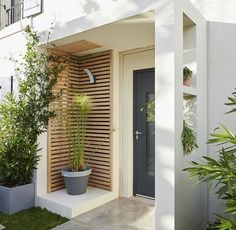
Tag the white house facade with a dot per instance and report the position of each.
(134, 38)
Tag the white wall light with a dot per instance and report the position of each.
(91, 77)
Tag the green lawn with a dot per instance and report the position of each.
(31, 219)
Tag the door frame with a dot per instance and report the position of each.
(134, 124)
(146, 61)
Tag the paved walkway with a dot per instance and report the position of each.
(121, 214)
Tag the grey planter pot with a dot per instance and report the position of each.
(16, 199)
(76, 182)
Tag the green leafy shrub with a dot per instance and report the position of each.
(221, 172)
(188, 138)
(187, 73)
(76, 120)
(24, 118)
(18, 156)
(36, 88)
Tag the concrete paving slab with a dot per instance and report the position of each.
(122, 213)
(72, 225)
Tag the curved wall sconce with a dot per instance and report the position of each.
(91, 77)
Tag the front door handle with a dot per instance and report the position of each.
(137, 133)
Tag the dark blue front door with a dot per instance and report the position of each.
(144, 132)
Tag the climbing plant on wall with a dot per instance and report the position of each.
(24, 118)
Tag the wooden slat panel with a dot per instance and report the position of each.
(74, 81)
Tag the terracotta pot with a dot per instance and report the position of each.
(188, 82)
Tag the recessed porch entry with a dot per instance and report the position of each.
(111, 58)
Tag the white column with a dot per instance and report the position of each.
(165, 116)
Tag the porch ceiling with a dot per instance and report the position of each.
(134, 32)
(78, 46)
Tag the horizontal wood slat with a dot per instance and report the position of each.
(74, 81)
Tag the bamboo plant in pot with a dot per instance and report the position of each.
(187, 76)
(76, 174)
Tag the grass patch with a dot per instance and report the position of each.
(32, 219)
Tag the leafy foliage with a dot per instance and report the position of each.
(24, 118)
(221, 171)
(36, 89)
(150, 107)
(76, 120)
(187, 73)
(222, 224)
(150, 111)
(188, 137)
(232, 102)
(18, 156)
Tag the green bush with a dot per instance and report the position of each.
(221, 172)
(188, 138)
(18, 155)
(24, 118)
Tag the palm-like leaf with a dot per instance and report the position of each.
(232, 102)
(221, 171)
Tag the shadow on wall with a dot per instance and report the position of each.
(165, 178)
(217, 10)
(105, 14)
(90, 6)
(221, 82)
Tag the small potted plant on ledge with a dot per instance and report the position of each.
(76, 174)
(22, 120)
(187, 76)
(189, 141)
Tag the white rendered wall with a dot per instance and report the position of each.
(217, 10)
(183, 206)
(10, 47)
(165, 39)
(221, 82)
(221, 70)
(7, 67)
(41, 172)
(190, 202)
